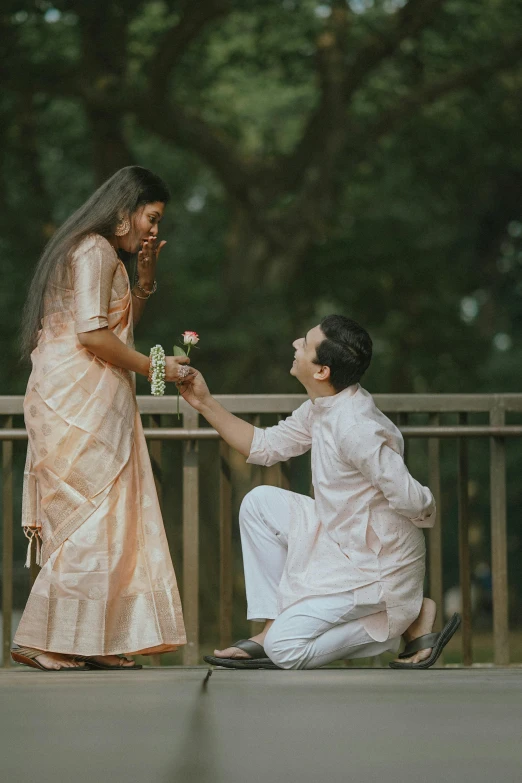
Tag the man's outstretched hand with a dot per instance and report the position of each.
(195, 391)
(235, 431)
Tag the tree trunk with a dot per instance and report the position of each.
(109, 147)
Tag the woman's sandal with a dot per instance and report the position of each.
(437, 642)
(27, 656)
(258, 657)
(92, 664)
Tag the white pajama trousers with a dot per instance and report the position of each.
(314, 631)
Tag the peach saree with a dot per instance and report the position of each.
(107, 583)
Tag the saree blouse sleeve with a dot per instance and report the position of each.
(93, 264)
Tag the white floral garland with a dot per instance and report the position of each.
(157, 375)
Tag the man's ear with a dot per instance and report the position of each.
(323, 373)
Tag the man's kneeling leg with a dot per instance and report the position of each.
(317, 631)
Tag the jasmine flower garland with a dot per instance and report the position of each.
(157, 371)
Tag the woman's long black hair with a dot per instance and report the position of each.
(121, 195)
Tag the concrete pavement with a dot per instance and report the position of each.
(164, 726)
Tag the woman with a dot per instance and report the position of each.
(107, 586)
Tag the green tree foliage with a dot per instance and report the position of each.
(356, 156)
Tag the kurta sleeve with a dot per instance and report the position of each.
(290, 438)
(366, 447)
(94, 263)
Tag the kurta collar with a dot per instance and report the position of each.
(327, 402)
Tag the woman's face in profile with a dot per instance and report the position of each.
(144, 223)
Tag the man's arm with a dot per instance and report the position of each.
(366, 448)
(289, 438)
(236, 432)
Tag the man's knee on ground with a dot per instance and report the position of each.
(285, 654)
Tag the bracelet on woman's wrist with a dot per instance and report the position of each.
(157, 371)
(144, 298)
(138, 285)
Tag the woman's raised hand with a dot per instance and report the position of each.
(175, 371)
(147, 260)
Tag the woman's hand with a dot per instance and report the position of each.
(147, 260)
(173, 365)
(194, 390)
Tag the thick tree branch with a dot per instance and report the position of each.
(176, 124)
(326, 120)
(509, 57)
(55, 79)
(104, 66)
(337, 85)
(409, 22)
(21, 75)
(175, 41)
(238, 177)
(308, 209)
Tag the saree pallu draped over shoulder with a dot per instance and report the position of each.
(107, 583)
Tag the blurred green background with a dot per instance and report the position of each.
(361, 157)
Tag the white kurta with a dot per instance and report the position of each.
(364, 535)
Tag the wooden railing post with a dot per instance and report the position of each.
(499, 539)
(464, 553)
(402, 421)
(191, 541)
(283, 471)
(7, 544)
(226, 579)
(155, 451)
(34, 568)
(257, 472)
(435, 534)
(258, 477)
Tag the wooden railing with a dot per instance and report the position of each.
(403, 408)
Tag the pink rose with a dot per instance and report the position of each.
(190, 338)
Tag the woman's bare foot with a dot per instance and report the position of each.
(114, 660)
(422, 625)
(235, 652)
(57, 661)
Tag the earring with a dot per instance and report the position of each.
(122, 228)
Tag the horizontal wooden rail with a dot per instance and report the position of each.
(286, 403)
(456, 431)
(206, 433)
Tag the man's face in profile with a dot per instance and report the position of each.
(303, 367)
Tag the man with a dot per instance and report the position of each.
(341, 575)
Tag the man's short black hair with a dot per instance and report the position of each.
(346, 350)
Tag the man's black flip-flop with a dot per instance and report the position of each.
(258, 657)
(437, 642)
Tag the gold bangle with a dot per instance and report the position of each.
(144, 298)
(143, 290)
